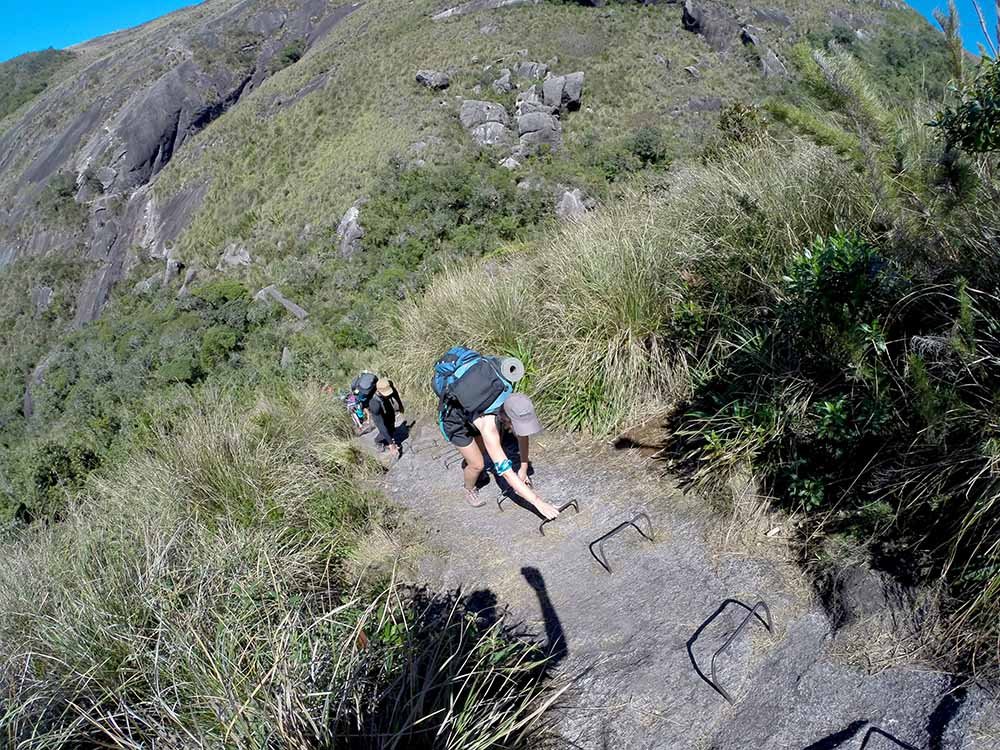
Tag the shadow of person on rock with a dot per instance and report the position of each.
(402, 432)
(555, 648)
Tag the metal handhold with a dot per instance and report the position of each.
(875, 730)
(739, 629)
(571, 503)
(603, 559)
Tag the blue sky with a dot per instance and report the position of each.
(972, 32)
(27, 25)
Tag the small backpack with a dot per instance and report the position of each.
(465, 378)
(364, 386)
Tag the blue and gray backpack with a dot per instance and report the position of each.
(470, 381)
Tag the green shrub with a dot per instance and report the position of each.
(973, 124)
(57, 201)
(290, 54)
(216, 344)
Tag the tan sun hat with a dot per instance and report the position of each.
(384, 387)
(521, 413)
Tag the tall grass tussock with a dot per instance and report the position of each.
(199, 596)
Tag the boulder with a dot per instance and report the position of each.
(563, 91)
(287, 360)
(272, 294)
(531, 100)
(715, 25)
(750, 36)
(503, 84)
(234, 256)
(771, 65)
(487, 122)
(570, 205)
(106, 176)
(537, 129)
(350, 232)
(531, 71)
(772, 16)
(474, 112)
(189, 276)
(511, 163)
(171, 270)
(41, 298)
(433, 79)
(692, 71)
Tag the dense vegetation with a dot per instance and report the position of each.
(26, 76)
(825, 319)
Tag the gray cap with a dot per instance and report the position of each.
(521, 413)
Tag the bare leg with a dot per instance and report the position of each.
(473, 456)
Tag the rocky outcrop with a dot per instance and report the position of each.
(503, 84)
(41, 298)
(115, 123)
(273, 294)
(433, 79)
(531, 71)
(234, 256)
(530, 101)
(487, 122)
(538, 130)
(563, 92)
(189, 276)
(718, 28)
(772, 66)
(172, 269)
(350, 232)
(571, 205)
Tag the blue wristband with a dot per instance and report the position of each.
(504, 466)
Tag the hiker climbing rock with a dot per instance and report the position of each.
(383, 408)
(472, 390)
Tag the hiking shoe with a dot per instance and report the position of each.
(473, 499)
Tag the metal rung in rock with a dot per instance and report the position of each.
(570, 504)
(872, 731)
(751, 613)
(602, 558)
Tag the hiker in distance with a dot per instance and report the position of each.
(383, 408)
(475, 395)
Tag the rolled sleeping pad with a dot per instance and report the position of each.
(512, 368)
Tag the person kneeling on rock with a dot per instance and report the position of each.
(472, 395)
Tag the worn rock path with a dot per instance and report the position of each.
(629, 638)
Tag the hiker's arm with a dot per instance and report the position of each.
(487, 427)
(522, 449)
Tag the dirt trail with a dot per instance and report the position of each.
(630, 637)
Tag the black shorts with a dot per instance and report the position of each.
(456, 429)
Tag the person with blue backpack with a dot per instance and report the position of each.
(473, 391)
